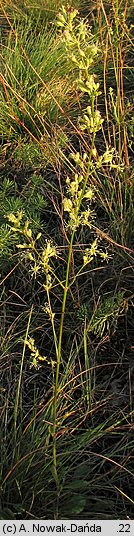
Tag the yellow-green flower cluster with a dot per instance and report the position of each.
(80, 160)
(111, 158)
(23, 230)
(65, 18)
(91, 121)
(88, 85)
(48, 311)
(40, 261)
(92, 252)
(78, 191)
(35, 355)
(80, 48)
(42, 264)
(16, 220)
(48, 252)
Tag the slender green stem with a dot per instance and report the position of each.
(88, 370)
(20, 378)
(117, 71)
(58, 365)
(64, 299)
(67, 271)
(66, 288)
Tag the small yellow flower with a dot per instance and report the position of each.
(15, 219)
(94, 152)
(67, 204)
(104, 255)
(87, 256)
(89, 194)
(35, 269)
(30, 256)
(35, 355)
(93, 249)
(85, 216)
(49, 311)
(48, 252)
(30, 343)
(21, 246)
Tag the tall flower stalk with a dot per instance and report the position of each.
(77, 203)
